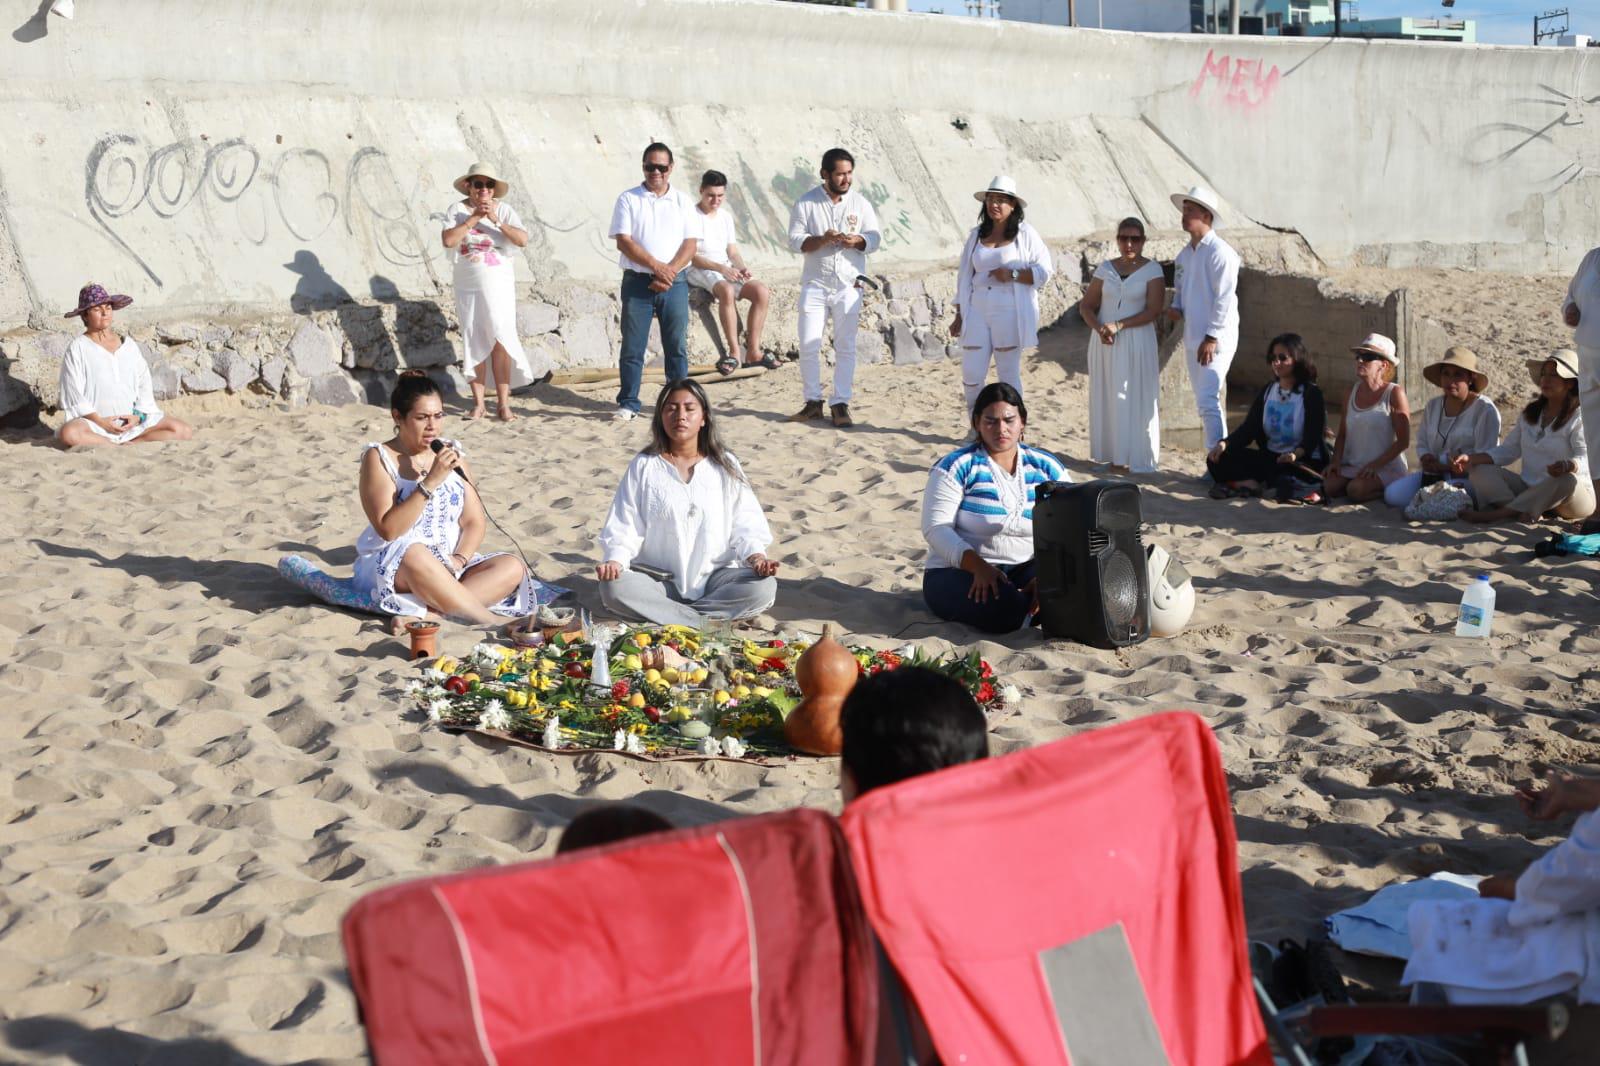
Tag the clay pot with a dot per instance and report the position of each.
(826, 673)
(424, 639)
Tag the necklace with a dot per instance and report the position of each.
(1283, 393)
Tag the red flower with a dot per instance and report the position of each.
(776, 644)
(576, 670)
(985, 693)
(619, 690)
(774, 664)
(457, 685)
(984, 669)
(889, 659)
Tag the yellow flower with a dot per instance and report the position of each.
(642, 639)
(565, 705)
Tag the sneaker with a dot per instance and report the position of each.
(624, 414)
(812, 409)
(841, 415)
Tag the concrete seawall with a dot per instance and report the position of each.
(255, 159)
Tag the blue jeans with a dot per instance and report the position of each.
(639, 305)
(945, 592)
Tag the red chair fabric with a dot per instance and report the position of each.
(970, 874)
(739, 942)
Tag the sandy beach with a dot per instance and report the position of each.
(203, 769)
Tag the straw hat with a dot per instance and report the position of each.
(1380, 346)
(1203, 196)
(1462, 359)
(1004, 185)
(1566, 361)
(480, 170)
(92, 295)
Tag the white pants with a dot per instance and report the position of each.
(1210, 385)
(819, 302)
(1589, 398)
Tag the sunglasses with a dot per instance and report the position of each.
(657, 168)
(483, 185)
(1280, 357)
(1368, 357)
(1134, 237)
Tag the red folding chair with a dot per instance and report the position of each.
(738, 942)
(1077, 903)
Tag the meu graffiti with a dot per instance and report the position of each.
(1241, 83)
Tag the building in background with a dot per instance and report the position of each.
(1314, 18)
(1142, 16)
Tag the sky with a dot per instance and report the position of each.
(1499, 21)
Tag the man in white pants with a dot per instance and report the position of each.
(1207, 299)
(836, 229)
(1581, 310)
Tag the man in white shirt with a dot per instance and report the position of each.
(656, 229)
(1207, 299)
(835, 228)
(719, 269)
(1581, 311)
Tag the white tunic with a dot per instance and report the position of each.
(1539, 446)
(1584, 293)
(1125, 375)
(1545, 942)
(1206, 291)
(1475, 429)
(814, 214)
(108, 384)
(485, 280)
(688, 528)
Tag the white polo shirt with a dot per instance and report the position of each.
(659, 223)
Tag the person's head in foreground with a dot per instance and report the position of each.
(609, 823)
(1557, 378)
(684, 425)
(906, 722)
(999, 418)
(1290, 361)
(417, 410)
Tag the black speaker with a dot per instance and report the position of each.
(1093, 585)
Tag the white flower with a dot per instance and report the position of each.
(552, 733)
(494, 716)
(619, 741)
(435, 692)
(486, 654)
(710, 746)
(414, 688)
(634, 746)
(1010, 695)
(435, 676)
(733, 747)
(436, 709)
(907, 651)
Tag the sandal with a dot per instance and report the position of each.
(767, 362)
(727, 365)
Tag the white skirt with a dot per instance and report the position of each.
(486, 306)
(1124, 390)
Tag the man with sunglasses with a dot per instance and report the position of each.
(656, 229)
(1207, 299)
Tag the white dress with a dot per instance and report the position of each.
(486, 292)
(439, 529)
(1125, 376)
(109, 384)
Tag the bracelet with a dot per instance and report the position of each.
(427, 493)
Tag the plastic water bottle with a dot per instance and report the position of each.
(1477, 609)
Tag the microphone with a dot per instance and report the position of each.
(438, 446)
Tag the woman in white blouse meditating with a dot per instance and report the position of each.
(106, 392)
(1548, 439)
(685, 539)
(1456, 424)
(977, 517)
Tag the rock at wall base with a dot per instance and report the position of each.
(903, 342)
(870, 349)
(203, 381)
(536, 317)
(337, 389)
(312, 352)
(237, 371)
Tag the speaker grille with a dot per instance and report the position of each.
(1120, 589)
(1098, 541)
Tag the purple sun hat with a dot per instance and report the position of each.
(92, 295)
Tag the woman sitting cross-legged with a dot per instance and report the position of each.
(977, 517)
(420, 554)
(1549, 440)
(1281, 436)
(1456, 424)
(1370, 452)
(685, 539)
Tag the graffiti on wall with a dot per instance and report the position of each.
(1237, 83)
(1554, 133)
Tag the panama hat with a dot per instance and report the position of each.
(480, 170)
(1463, 359)
(92, 295)
(1378, 345)
(1004, 185)
(1566, 361)
(1204, 197)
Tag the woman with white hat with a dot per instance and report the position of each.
(1121, 305)
(1456, 425)
(1549, 440)
(483, 230)
(1369, 453)
(1003, 266)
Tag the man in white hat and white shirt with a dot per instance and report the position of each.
(1207, 299)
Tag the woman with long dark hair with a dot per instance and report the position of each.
(1123, 301)
(1281, 436)
(685, 539)
(1549, 441)
(1003, 266)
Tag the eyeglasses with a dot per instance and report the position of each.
(1136, 238)
(657, 168)
(483, 185)
(1280, 357)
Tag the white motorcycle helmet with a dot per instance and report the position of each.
(1171, 593)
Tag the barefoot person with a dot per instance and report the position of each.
(1369, 453)
(1550, 441)
(106, 392)
(483, 231)
(1121, 305)
(420, 553)
(719, 269)
(685, 540)
(1207, 299)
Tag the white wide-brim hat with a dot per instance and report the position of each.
(1379, 345)
(1004, 185)
(1205, 198)
(481, 170)
(1566, 361)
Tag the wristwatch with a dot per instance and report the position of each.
(1015, 273)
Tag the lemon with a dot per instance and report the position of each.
(652, 676)
(643, 640)
(741, 692)
(632, 662)
(671, 676)
(700, 675)
(721, 696)
(761, 691)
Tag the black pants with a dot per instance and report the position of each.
(1245, 464)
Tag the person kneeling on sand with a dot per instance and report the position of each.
(1529, 936)
(1375, 431)
(106, 391)
(685, 539)
(1549, 440)
(977, 517)
(420, 553)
